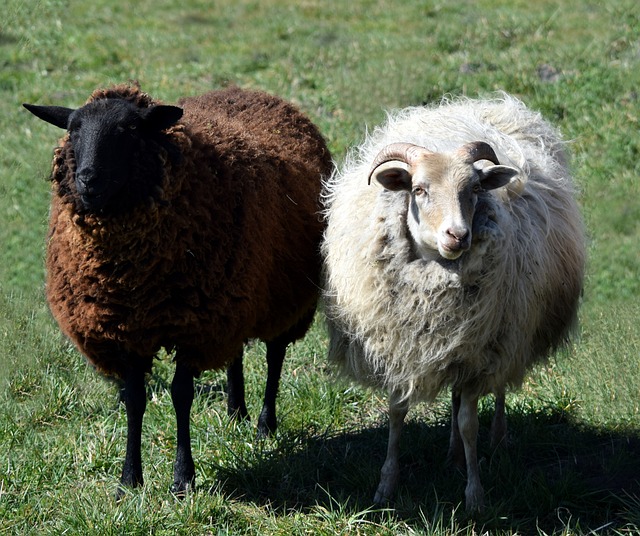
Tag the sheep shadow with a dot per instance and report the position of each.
(552, 474)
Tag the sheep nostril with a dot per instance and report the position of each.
(458, 234)
(84, 176)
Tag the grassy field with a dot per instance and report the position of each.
(572, 465)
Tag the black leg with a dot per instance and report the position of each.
(135, 399)
(184, 474)
(267, 422)
(236, 406)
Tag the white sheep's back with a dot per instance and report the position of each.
(418, 326)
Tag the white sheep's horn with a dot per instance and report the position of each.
(478, 150)
(408, 153)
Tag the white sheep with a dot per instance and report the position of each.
(449, 269)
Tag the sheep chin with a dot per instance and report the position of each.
(426, 253)
(449, 254)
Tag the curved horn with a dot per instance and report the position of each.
(478, 150)
(404, 152)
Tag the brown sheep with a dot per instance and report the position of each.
(192, 228)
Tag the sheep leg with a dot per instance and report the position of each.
(468, 424)
(455, 455)
(135, 400)
(184, 474)
(267, 422)
(390, 472)
(236, 406)
(499, 422)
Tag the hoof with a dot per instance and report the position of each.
(238, 414)
(123, 491)
(127, 483)
(384, 494)
(380, 499)
(475, 502)
(120, 493)
(180, 490)
(267, 425)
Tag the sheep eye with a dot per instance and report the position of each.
(419, 190)
(477, 188)
(124, 128)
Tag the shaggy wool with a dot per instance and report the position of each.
(224, 249)
(416, 326)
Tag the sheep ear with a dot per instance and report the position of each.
(161, 117)
(493, 177)
(393, 175)
(55, 115)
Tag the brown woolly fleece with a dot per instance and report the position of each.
(226, 250)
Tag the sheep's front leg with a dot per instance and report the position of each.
(468, 424)
(268, 421)
(184, 474)
(391, 469)
(135, 400)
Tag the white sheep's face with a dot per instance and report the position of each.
(443, 192)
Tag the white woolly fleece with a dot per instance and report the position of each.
(416, 326)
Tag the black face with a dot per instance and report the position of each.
(104, 138)
(115, 145)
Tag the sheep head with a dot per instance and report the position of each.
(111, 139)
(443, 189)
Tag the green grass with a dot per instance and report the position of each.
(572, 465)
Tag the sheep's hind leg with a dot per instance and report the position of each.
(455, 455)
(268, 422)
(390, 472)
(468, 423)
(499, 422)
(135, 400)
(236, 405)
(184, 474)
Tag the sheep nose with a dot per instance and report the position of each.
(459, 234)
(85, 178)
(84, 175)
